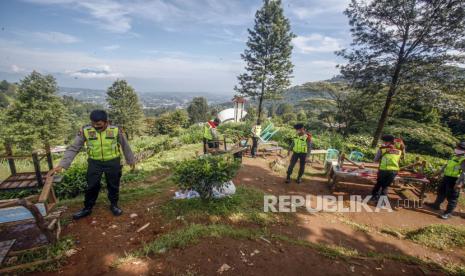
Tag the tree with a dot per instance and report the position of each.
(3, 100)
(268, 56)
(400, 42)
(180, 118)
(284, 108)
(198, 110)
(38, 115)
(124, 107)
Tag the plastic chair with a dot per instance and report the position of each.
(331, 155)
(356, 156)
(267, 133)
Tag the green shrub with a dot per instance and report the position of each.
(192, 135)
(74, 180)
(431, 139)
(205, 173)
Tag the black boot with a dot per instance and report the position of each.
(288, 179)
(82, 213)
(116, 210)
(299, 180)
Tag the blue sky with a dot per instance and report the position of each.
(159, 45)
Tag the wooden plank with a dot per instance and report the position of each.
(21, 252)
(47, 187)
(5, 247)
(26, 265)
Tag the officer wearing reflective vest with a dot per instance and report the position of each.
(256, 132)
(210, 135)
(452, 182)
(104, 144)
(300, 147)
(389, 157)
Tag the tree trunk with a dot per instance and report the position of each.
(260, 102)
(387, 105)
(392, 91)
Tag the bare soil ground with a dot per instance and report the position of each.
(101, 238)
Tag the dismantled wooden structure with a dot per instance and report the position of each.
(413, 180)
(37, 209)
(25, 180)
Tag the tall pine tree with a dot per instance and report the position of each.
(124, 108)
(268, 56)
(401, 42)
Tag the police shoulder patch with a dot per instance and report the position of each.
(92, 134)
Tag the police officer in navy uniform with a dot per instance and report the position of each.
(104, 144)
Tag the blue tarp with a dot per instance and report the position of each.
(19, 213)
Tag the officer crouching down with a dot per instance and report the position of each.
(104, 143)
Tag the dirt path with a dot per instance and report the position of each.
(248, 257)
(336, 229)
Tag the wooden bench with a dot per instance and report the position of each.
(25, 180)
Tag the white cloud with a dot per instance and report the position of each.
(316, 43)
(111, 47)
(15, 68)
(116, 16)
(305, 9)
(55, 37)
(100, 72)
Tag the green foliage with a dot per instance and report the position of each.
(236, 131)
(37, 115)
(192, 135)
(268, 55)
(74, 180)
(431, 139)
(284, 108)
(397, 43)
(198, 110)
(78, 114)
(440, 236)
(124, 107)
(170, 123)
(205, 173)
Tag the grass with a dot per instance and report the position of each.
(55, 252)
(439, 236)
(192, 235)
(246, 205)
(356, 226)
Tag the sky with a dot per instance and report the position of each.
(159, 45)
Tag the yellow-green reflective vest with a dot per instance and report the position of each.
(257, 130)
(453, 167)
(300, 144)
(390, 158)
(207, 134)
(102, 146)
